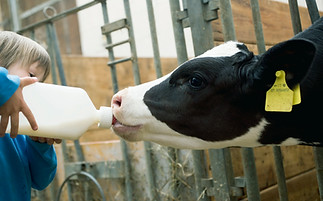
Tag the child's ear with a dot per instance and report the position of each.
(293, 56)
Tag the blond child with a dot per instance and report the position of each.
(25, 162)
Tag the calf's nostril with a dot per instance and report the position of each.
(117, 100)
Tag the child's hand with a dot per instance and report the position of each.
(13, 106)
(49, 141)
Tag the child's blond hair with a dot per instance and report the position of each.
(16, 48)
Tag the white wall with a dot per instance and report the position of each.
(90, 21)
(93, 42)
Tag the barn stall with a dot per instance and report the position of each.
(100, 166)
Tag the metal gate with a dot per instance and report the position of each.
(165, 173)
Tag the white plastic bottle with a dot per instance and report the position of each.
(61, 112)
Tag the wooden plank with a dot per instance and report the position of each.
(275, 17)
(302, 187)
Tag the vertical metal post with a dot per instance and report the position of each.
(202, 40)
(154, 39)
(123, 144)
(247, 153)
(222, 172)
(258, 26)
(51, 54)
(294, 13)
(178, 32)
(111, 53)
(201, 29)
(14, 10)
(318, 151)
(229, 32)
(313, 10)
(150, 175)
(181, 52)
(57, 52)
(248, 158)
(280, 173)
(250, 174)
(135, 67)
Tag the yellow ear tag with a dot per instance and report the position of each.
(297, 94)
(279, 98)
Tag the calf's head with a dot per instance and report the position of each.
(214, 100)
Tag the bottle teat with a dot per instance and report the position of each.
(105, 114)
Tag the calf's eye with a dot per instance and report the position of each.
(196, 83)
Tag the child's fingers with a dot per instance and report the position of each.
(3, 125)
(30, 117)
(58, 141)
(27, 81)
(14, 125)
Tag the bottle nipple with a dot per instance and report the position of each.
(105, 117)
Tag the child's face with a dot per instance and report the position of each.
(27, 71)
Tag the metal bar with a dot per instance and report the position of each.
(123, 144)
(111, 53)
(199, 173)
(135, 67)
(227, 20)
(250, 174)
(220, 161)
(201, 29)
(154, 40)
(178, 30)
(119, 61)
(181, 52)
(258, 26)
(317, 151)
(78, 149)
(224, 175)
(202, 40)
(13, 6)
(89, 176)
(114, 26)
(51, 54)
(59, 16)
(37, 8)
(117, 44)
(53, 36)
(294, 13)
(313, 10)
(57, 54)
(280, 174)
(150, 175)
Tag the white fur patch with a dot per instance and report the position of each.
(173, 139)
(290, 141)
(227, 49)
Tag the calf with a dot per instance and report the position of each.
(218, 99)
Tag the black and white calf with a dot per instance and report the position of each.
(217, 99)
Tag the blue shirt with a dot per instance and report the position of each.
(24, 164)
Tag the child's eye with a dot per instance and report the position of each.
(31, 75)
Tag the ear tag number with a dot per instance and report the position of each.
(279, 98)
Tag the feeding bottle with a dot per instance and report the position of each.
(61, 112)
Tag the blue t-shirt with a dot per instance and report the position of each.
(24, 164)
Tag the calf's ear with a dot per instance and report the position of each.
(293, 56)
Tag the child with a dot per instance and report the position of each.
(25, 162)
